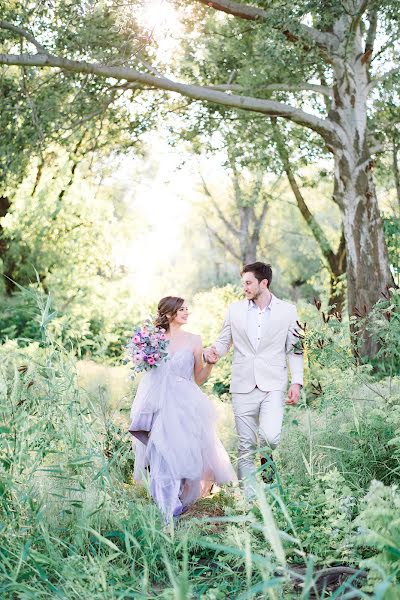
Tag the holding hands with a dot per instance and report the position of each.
(210, 355)
(294, 393)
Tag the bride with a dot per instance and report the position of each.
(173, 422)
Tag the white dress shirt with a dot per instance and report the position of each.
(255, 321)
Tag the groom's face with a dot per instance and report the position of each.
(252, 287)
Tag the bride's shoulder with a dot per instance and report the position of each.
(193, 339)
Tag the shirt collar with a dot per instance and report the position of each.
(252, 305)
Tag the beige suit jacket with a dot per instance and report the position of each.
(265, 367)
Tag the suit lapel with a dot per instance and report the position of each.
(244, 316)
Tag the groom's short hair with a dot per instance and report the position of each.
(260, 270)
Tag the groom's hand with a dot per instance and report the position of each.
(294, 393)
(211, 355)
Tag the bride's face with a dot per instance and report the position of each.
(182, 315)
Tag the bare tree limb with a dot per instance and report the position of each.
(327, 100)
(359, 14)
(396, 171)
(371, 35)
(236, 9)
(252, 13)
(224, 243)
(221, 215)
(382, 77)
(74, 159)
(325, 128)
(237, 192)
(316, 229)
(258, 183)
(268, 107)
(28, 36)
(277, 87)
(32, 106)
(393, 38)
(258, 223)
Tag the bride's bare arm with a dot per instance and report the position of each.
(201, 370)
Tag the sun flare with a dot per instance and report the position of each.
(159, 17)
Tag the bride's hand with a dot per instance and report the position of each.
(211, 355)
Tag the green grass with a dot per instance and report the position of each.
(74, 525)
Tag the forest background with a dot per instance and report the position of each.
(151, 148)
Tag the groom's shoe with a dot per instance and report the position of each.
(268, 471)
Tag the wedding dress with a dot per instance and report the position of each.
(175, 439)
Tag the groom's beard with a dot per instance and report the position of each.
(256, 295)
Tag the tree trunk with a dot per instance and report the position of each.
(245, 228)
(336, 262)
(8, 266)
(249, 256)
(4, 208)
(39, 174)
(367, 262)
(344, 131)
(337, 266)
(396, 171)
(368, 271)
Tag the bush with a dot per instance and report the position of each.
(74, 524)
(379, 529)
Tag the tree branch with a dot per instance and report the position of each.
(276, 87)
(316, 229)
(221, 215)
(223, 242)
(237, 192)
(252, 13)
(371, 35)
(28, 36)
(381, 78)
(327, 100)
(393, 38)
(268, 107)
(196, 92)
(258, 223)
(396, 171)
(359, 14)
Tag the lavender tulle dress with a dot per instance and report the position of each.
(175, 439)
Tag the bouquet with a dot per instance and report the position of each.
(148, 347)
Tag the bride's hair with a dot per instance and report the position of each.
(167, 306)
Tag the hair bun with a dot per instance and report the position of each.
(167, 306)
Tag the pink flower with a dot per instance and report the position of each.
(151, 360)
(138, 358)
(136, 339)
(163, 337)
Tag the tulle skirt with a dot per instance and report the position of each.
(176, 443)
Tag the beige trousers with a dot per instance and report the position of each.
(258, 417)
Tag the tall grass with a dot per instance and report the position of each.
(74, 525)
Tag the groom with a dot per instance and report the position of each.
(262, 330)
